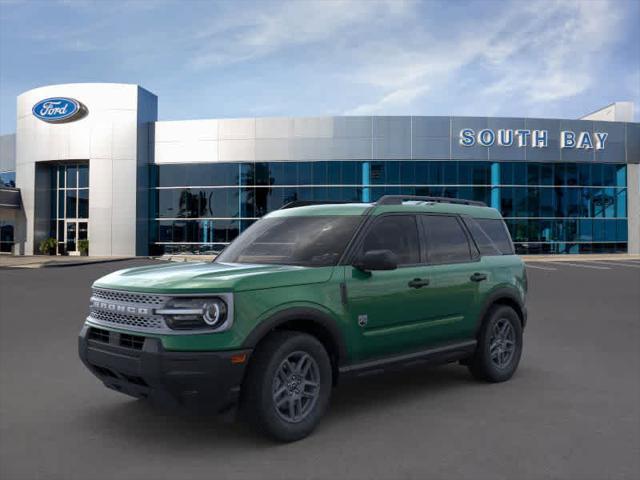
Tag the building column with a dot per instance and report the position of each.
(495, 185)
(366, 181)
(633, 207)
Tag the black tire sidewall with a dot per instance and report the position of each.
(264, 412)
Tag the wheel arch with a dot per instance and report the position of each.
(503, 296)
(307, 320)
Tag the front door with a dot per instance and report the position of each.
(71, 236)
(384, 308)
(74, 232)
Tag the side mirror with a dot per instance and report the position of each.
(377, 260)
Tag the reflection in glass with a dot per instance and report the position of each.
(83, 176)
(546, 207)
(83, 230)
(72, 176)
(71, 204)
(83, 203)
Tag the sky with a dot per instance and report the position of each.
(208, 59)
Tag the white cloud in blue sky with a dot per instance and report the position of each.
(241, 58)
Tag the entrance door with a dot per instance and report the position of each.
(74, 232)
(71, 236)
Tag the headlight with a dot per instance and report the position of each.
(196, 314)
(215, 312)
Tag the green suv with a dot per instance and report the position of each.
(308, 296)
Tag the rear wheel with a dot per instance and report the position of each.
(499, 346)
(288, 385)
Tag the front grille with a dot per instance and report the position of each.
(131, 341)
(99, 335)
(131, 310)
(154, 322)
(128, 297)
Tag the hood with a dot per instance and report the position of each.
(211, 277)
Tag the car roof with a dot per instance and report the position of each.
(355, 209)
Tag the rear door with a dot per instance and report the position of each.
(456, 277)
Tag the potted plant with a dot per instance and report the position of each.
(83, 246)
(48, 246)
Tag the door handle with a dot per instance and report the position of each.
(419, 282)
(478, 277)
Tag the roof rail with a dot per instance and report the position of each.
(306, 203)
(398, 199)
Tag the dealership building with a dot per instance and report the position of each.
(91, 162)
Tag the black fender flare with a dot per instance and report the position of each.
(300, 314)
(507, 295)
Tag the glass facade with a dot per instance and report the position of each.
(7, 228)
(69, 205)
(7, 225)
(548, 207)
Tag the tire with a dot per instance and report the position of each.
(492, 361)
(279, 399)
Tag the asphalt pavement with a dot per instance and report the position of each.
(572, 411)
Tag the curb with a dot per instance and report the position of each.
(67, 264)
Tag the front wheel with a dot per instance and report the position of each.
(499, 346)
(288, 385)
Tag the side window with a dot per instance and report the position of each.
(497, 231)
(491, 235)
(398, 233)
(446, 240)
(485, 243)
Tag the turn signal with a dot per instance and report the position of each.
(238, 358)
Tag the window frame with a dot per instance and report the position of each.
(360, 234)
(474, 252)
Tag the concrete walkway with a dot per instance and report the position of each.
(46, 261)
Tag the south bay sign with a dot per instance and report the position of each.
(531, 138)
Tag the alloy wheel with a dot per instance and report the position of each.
(296, 387)
(502, 345)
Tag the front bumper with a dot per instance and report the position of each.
(139, 366)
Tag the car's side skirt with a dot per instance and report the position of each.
(441, 354)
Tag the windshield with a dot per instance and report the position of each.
(306, 241)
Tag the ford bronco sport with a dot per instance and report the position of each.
(308, 296)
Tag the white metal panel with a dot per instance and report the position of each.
(237, 150)
(274, 127)
(237, 129)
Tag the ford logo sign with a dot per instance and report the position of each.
(59, 110)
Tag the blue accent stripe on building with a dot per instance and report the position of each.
(495, 185)
(366, 181)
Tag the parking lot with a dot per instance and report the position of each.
(571, 412)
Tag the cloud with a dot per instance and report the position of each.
(559, 58)
(269, 27)
(397, 98)
(536, 52)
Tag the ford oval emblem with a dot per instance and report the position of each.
(59, 110)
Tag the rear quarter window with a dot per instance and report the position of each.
(446, 240)
(491, 235)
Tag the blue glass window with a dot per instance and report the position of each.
(8, 179)
(553, 206)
